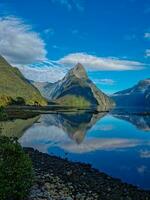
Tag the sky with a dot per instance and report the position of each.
(44, 39)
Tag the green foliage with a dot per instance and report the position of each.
(74, 101)
(5, 100)
(16, 174)
(20, 101)
(3, 114)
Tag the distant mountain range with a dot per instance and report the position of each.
(13, 86)
(75, 89)
(137, 96)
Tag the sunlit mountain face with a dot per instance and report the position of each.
(115, 144)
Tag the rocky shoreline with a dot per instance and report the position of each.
(60, 179)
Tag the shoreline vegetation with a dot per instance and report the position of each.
(26, 111)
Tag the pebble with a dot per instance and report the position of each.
(60, 179)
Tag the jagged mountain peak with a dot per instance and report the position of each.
(78, 71)
(77, 90)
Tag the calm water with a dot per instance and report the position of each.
(116, 144)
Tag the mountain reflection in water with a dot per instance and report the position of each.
(140, 121)
(75, 125)
(116, 144)
(16, 127)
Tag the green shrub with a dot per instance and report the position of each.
(3, 114)
(20, 101)
(16, 174)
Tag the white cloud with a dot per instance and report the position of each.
(142, 169)
(104, 81)
(75, 31)
(21, 46)
(101, 127)
(64, 3)
(43, 72)
(52, 71)
(49, 32)
(70, 4)
(103, 144)
(18, 43)
(147, 52)
(147, 35)
(130, 37)
(78, 5)
(145, 154)
(100, 63)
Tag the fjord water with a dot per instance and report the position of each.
(117, 144)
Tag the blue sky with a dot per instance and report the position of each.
(46, 38)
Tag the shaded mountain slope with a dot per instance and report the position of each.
(137, 96)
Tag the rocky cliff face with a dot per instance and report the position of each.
(137, 96)
(76, 89)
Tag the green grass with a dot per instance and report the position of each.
(13, 86)
(74, 101)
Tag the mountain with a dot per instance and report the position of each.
(13, 86)
(137, 96)
(76, 89)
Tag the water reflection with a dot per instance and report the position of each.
(109, 142)
(68, 132)
(142, 122)
(16, 127)
(75, 125)
(60, 130)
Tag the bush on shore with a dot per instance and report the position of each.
(3, 114)
(16, 173)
